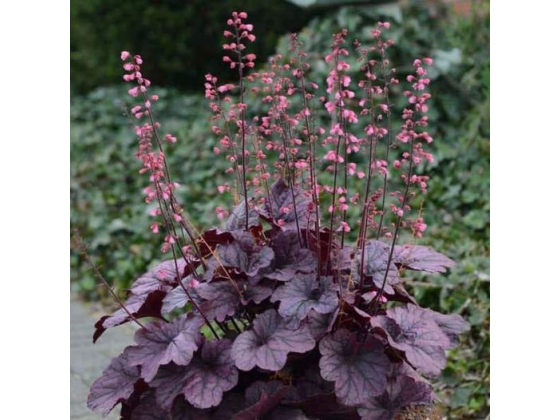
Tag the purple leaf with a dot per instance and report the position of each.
(320, 324)
(223, 297)
(177, 298)
(452, 325)
(149, 409)
(140, 306)
(245, 254)
(231, 404)
(289, 257)
(401, 295)
(203, 382)
(402, 391)
(304, 293)
(115, 385)
(255, 391)
(281, 199)
(309, 385)
(285, 413)
(184, 411)
(408, 329)
(376, 256)
(344, 258)
(212, 374)
(421, 258)
(210, 239)
(262, 397)
(169, 383)
(327, 407)
(267, 345)
(160, 343)
(357, 367)
(237, 218)
(146, 296)
(162, 277)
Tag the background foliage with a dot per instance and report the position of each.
(107, 203)
(180, 40)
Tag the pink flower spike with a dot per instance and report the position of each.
(222, 213)
(344, 227)
(154, 227)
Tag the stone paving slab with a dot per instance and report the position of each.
(87, 361)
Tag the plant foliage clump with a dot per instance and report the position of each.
(298, 307)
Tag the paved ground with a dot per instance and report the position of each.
(87, 361)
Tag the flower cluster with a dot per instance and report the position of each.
(277, 314)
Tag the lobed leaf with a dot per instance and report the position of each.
(262, 397)
(303, 294)
(421, 258)
(223, 297)
(210, 239)
(289, 257)
(407, 328)
(237, 218)
(404, 389)
(203, 382)
(281, 199)
(160, 343)
(212, 374)
(452, 325)
(376, 255)
(177, 298)
(161, 277)
(358, 368)
(115, 385)
(320, 324)
(267, 345)
(147, 294)
(244, 254)
(401, 392)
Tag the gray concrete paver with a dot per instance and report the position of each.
(87, 361)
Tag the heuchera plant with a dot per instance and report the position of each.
(279, 315)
